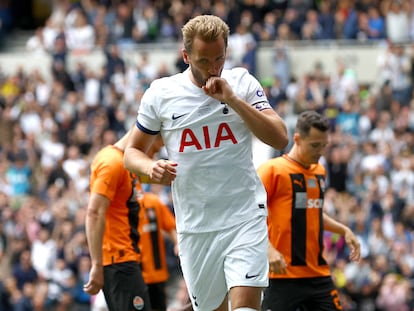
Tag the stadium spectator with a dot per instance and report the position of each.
(281, 64)
(23, 271)
(397, 22)
(326, 19)
(240, 43)
(80, 36)
(395, 66)
(394, 294)
(376, 23)
(19, 176)
(311, 29)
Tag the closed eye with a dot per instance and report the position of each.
(318, 145)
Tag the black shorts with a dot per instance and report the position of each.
(158, 296)
(124, 288)
(301, 294)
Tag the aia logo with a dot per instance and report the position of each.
(206, 141)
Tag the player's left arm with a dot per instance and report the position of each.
(265, 124)
(329, 224)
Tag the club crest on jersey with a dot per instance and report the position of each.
(138, 303)
(260, 93)
(311, 183)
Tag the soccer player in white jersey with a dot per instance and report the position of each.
(207, 117)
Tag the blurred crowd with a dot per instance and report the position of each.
(89, 24)
(51, 129)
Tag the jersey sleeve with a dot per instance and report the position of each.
(267, 174)
(147, 118)
(255, 94)
(107, 175)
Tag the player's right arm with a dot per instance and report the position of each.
(95, 226)
(137, 161)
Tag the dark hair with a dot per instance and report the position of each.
(309, 119)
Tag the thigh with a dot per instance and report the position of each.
(246, 262)
(124, 288)
(245, 296)
(202, 259)
(283, 295)
(323, 295)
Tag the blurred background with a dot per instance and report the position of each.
(72, 74)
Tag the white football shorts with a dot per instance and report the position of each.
(214, 262)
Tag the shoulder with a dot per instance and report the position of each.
(272, 166)
(165, 86)
(320, 169)
(244, 81)
(167, 82)
(235, 72)
(274, 162)
(108, 158)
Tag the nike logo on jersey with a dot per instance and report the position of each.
(251, 276)
(177, 116)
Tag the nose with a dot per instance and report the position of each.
(212, 72)
(213, 69)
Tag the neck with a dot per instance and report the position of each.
(192, 79)
(294, 157)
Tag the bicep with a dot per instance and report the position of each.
(98, 201)
(138, 139)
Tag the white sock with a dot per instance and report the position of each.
(244, 309)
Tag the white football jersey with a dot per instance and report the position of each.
(216, 185)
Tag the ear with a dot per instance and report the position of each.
(296, 138)
(186, 56)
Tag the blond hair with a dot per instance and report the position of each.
(206, 27)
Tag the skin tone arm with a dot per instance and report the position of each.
(95, 226)
(265, 125)
(137, 161)
(329, 224)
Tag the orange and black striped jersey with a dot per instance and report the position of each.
(155, 218)
(295, 222)
(110, 179)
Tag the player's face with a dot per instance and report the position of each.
(206, 59)
(313, 146)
